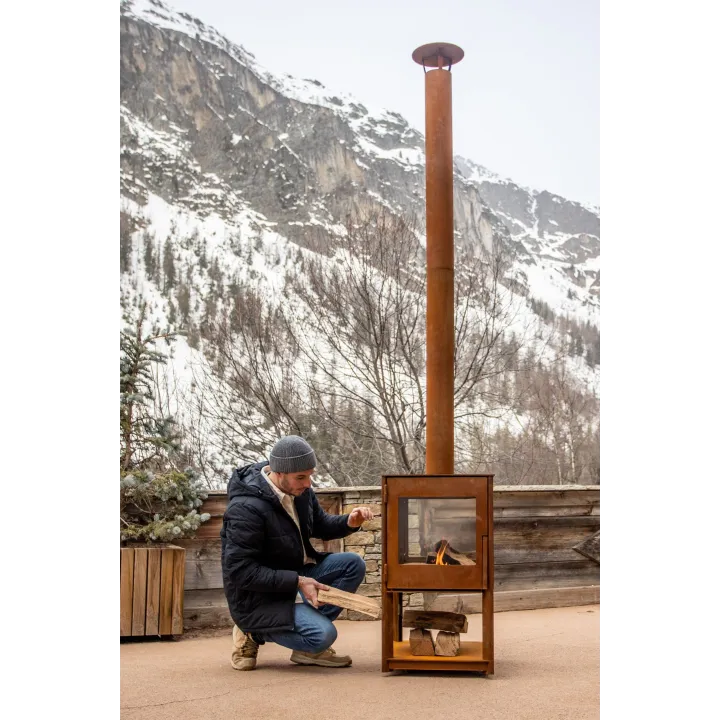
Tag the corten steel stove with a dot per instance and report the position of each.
(437, 536)
(437, 528)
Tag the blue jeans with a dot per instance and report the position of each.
(314, 630)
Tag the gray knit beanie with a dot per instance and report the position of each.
(291, 454)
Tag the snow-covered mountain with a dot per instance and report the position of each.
(240, 166)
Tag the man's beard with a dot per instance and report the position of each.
(284, 486)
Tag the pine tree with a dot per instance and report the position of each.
(183, 300)
(168, 265)
(125, 243)
(158, 501)
(149, 255)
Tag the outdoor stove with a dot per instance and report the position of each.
(437, 527)
(437, 536)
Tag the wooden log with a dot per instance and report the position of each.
(447, 644)
(458, 557)
(435, 620)
(351, 601)
(451, 556)
(421, 642)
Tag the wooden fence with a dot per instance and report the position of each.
(542, 536)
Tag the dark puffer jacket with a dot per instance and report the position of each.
(262, 552)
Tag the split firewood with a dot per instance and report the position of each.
(452, 556)
(458, 557)
(421, 642)
(447, 644)
(435, 620)
(351, 601)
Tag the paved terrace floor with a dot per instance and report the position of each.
(546, 667)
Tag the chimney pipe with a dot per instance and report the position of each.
(440, 320)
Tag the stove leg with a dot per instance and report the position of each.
(488, 630)
(388, 618)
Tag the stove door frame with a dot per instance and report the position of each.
(418, 577)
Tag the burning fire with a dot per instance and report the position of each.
(441, 553)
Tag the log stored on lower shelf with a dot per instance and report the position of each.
(351, 601)
(421, 642)
(435, 620)
(447, 644)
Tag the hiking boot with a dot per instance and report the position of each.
(245, 650)
(327, 658)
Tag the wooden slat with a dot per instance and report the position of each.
(152, 612)
(590, 547)
(215, 505)
(538, 575)
(512, 555)
(545, 498)
(543, 533)
(127, 560)
(203, 565)
(166, 574)
(206, 608)
(549, 511)
(178, 588)
(139, 591)
(526, 599)
(211, 529)
(546, 524)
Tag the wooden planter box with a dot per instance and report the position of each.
(152, 584)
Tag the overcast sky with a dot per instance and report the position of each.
(525, 97)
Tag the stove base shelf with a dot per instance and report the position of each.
(470, 658)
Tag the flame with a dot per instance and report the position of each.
(441, 553)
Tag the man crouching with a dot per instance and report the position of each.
(271, 572)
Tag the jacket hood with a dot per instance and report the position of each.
(248, 480)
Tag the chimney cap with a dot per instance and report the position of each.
(438, 54)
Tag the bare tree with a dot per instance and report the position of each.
(367, 307)
(343, 364)
(564, 415)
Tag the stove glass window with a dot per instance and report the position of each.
(437, 531)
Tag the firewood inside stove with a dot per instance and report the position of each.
(450, 557)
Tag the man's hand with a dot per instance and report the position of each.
(309, 588)
(359, 515)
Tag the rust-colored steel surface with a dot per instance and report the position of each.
(438, 55)
(440, 339)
